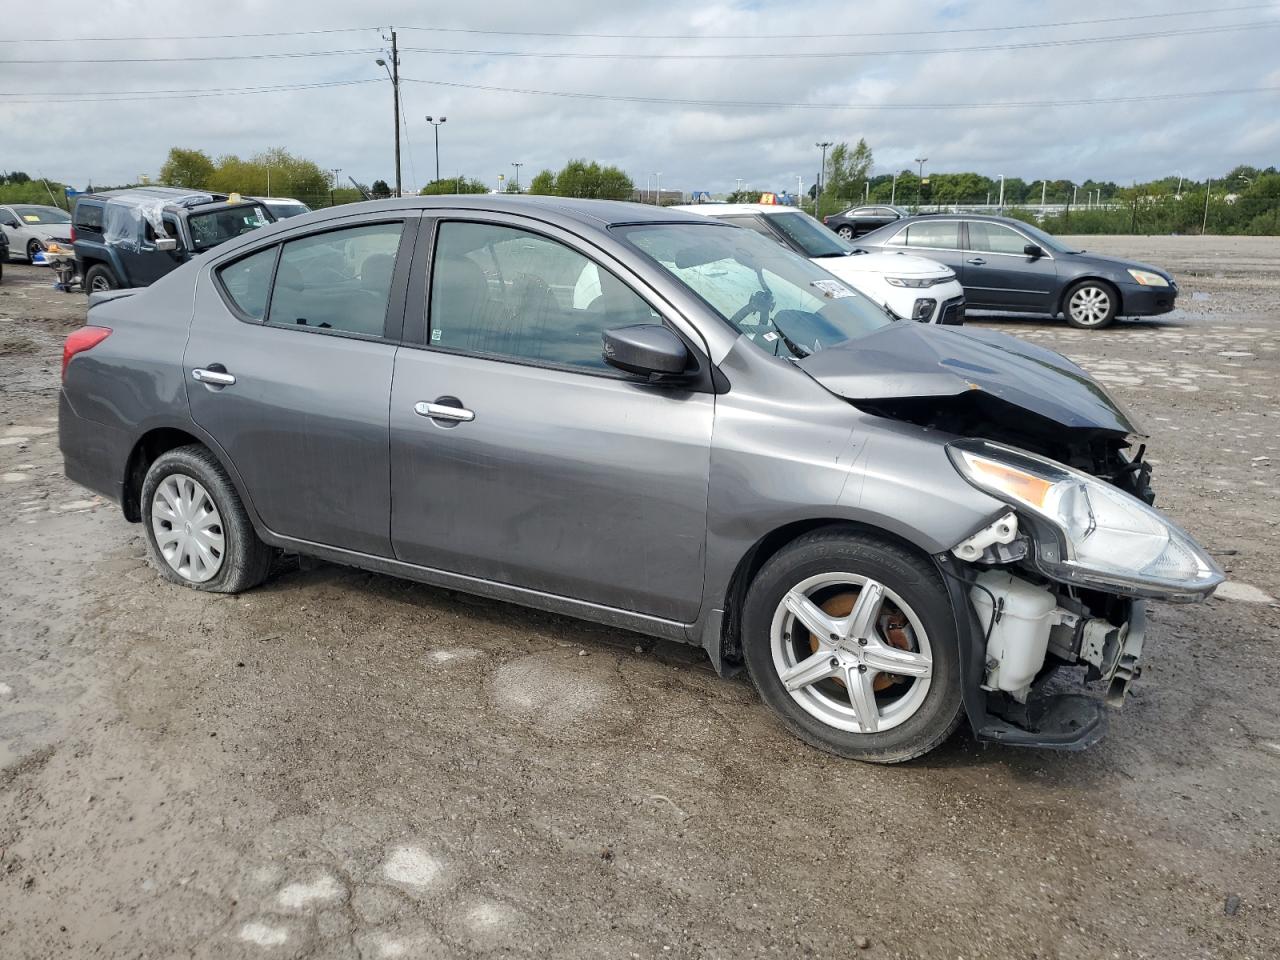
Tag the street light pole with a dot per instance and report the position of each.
(1000, 202)
(336, 171)
(394, 73)
(893, 193)
(517, 165)
(657, 185)
(920, 180)
(1044, 185)
(822, 174)
(435, 124)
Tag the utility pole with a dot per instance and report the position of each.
(394, 73)
(893, 193)
(1044, 185)
(738, 180)
(1204, 224)
(517, 165)
(657, 186)
(1000, 203)
(822, 174)
(336, 171)
(920, 181)
(1075, 191)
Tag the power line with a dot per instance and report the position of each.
(228, 56)
(835, 55)
(679, 36)
(842, 36)
(125, 96)
(758, 104)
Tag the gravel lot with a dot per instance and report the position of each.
(340, 764)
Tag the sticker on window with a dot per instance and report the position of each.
(831, 289)
(30, 218)
(435, 334)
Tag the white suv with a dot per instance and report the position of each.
(909, 287)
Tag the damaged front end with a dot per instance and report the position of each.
(1059, 578)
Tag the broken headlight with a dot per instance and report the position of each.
(1105, 538)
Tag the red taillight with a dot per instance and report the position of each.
(73, 233)
(86, 338)
(824, 220)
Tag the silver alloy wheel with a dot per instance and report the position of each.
(836, 684)
(1090, 306)
(99, 284)
(846, 232)
(188, 528)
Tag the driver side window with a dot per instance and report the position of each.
(507, 293)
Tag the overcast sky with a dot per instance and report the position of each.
(695, 147)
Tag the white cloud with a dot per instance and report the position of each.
(694, 147)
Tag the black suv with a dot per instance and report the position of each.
(133, 237)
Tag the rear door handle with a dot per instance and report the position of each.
(441, 411)
(219, 378)
(976, 261)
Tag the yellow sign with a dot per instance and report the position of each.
(768, 198)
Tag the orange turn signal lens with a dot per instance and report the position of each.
(1025, 486)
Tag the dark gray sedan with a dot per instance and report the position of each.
(650, 420)
(1011, 266)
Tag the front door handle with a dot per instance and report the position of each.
(976, 261)
(442, 411)
(218, 378)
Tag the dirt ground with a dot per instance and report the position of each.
(342, 765)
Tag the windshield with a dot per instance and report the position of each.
(780, 301)
(1048, 241)
(288, 209)
(810, 236)
(42, 215)
(218, 226)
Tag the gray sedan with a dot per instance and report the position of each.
(650, 420)
(1008, 265)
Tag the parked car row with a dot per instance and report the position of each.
(647, 418)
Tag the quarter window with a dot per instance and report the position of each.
(944, 234)
(995, 238)
(504, 292)
(89, 217)
(248, 281)
(340, 280)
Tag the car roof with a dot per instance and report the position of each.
(984, 217)
(277, 200)
(592, 213)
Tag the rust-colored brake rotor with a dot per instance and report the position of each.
(892, 624)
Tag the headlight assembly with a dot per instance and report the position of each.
(917, 283)
(1105, 538)
(1148, 279)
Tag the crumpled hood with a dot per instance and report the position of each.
(888, 264)
(906, 360)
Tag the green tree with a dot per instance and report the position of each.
(848, 169)
(187, 168)
(543, 184)
(380, 190)
(451, 185)
(579, 178)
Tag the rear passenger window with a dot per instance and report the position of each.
(89, 217)
(944, 235)
(248, 281)
(340, 280)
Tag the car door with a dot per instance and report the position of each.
(289, 367)
(518, 455)
(932, 238)
(1000, 275)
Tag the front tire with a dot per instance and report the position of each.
(850, 639)
(33, 248)
(99, 279)
(1091, 305)
(198, 532)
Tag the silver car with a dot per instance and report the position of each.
(30, 227)
(651, 420)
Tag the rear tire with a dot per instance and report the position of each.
(100, 279)
(198, 531)
(834, 686)
(846, 232)
(33, 248)
(1090, 304)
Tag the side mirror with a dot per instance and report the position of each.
(647, 349)
(167, 244)
(1033, 250)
